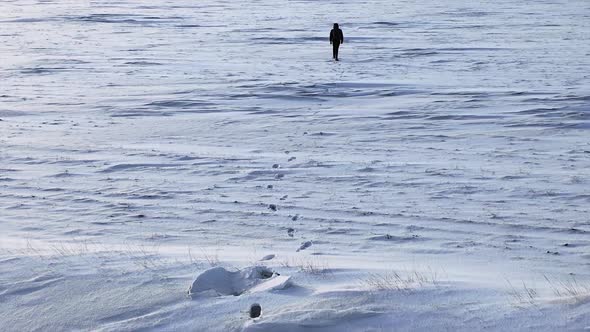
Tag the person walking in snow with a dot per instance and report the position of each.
(336, 38)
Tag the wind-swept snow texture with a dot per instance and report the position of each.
(436, 178)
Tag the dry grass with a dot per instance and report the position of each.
(395, 281)
(522, 296)
(145, 256)
(212, 259)
(569, 287)
(308, 265)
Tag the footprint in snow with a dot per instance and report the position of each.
(304, 246)
(267, 257)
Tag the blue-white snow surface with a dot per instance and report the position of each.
(437, 178)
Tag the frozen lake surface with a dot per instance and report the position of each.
(144, 142)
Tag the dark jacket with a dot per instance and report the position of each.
(336, 36)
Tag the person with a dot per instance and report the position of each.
(336, 38)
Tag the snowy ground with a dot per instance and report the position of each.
(434, 179)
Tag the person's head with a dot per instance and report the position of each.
(335, 25)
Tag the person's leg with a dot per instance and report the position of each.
(335, 51)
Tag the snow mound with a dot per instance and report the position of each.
(251, 279)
